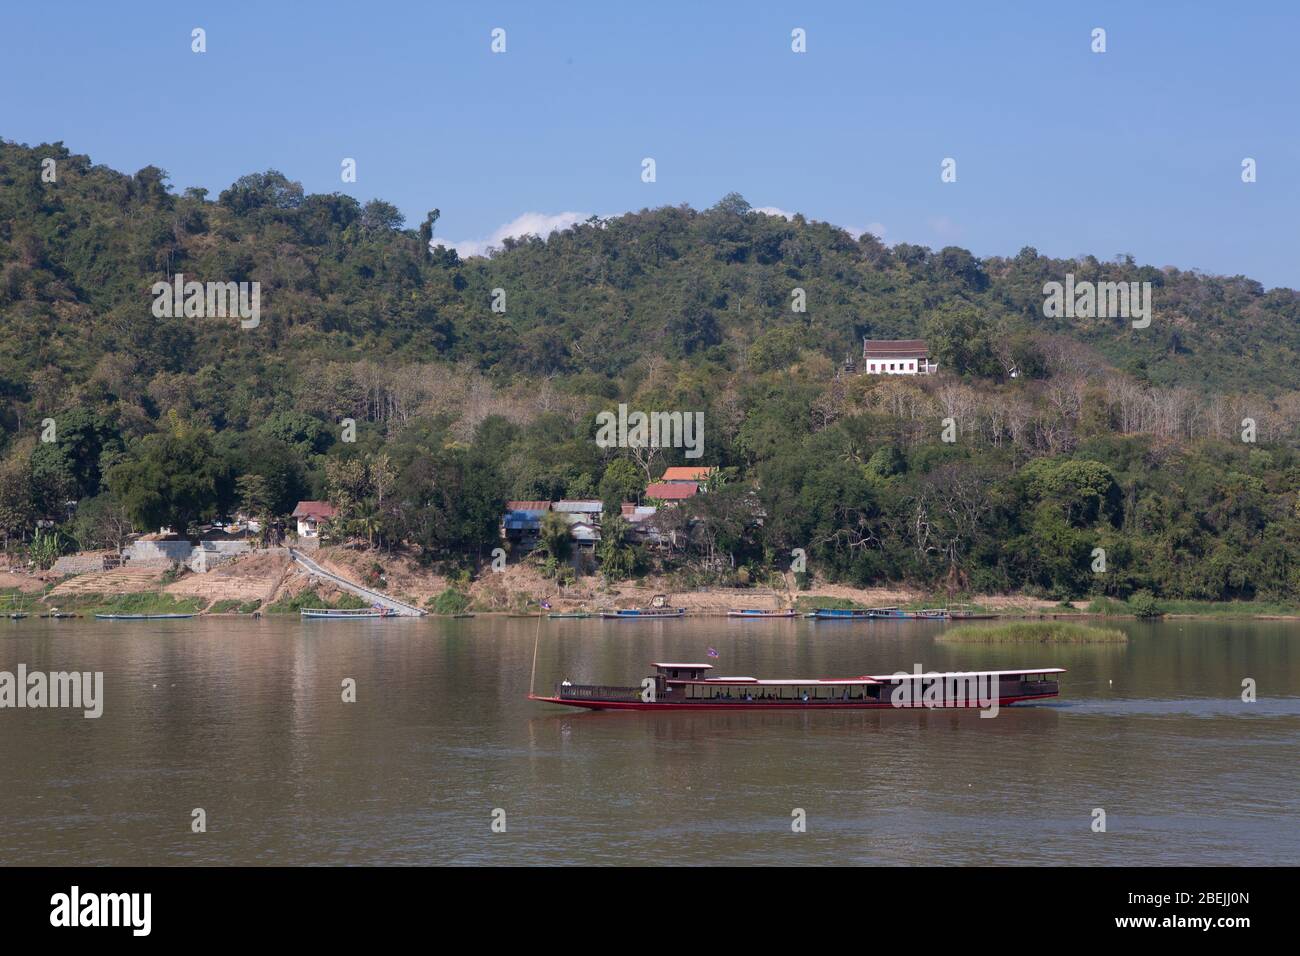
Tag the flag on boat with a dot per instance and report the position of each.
(546, 605)
(712, 652)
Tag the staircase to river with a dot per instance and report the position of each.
(374, 597)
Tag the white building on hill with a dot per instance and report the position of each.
(897, 357)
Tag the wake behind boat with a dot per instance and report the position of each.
(686, 687)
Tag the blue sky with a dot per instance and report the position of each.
(1137, 150)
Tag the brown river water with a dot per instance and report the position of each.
(245, 719)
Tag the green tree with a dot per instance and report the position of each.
(619, 557)
(622, 481)
(553, 536)
(171, 479)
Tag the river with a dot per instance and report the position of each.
(245, 720)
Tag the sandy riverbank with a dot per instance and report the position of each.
(264, 578)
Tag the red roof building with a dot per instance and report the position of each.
(687, 473)
(897, 357)
(671, 491)
(310, 515)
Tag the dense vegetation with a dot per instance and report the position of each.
(1128, 440)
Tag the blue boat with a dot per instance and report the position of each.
(926, 614)
(643, 613)
(845, 613)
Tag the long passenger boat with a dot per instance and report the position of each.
(687, 687)
(761, 613)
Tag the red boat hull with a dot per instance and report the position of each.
(768, 705)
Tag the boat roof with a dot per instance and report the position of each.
(865, 679)
(784, 682)
(1018, 670)
(685, 666)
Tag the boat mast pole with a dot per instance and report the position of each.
(532, 679)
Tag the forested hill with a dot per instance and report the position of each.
(1173, 448)
(343, 281)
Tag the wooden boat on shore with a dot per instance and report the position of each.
(842, 614)
(880, 614)
(349, 614)
(144, 617)
(752, 613)
(644, 613)
(687, 687)
(970, 612)
(658, 610)
(895, 614)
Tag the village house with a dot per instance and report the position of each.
(688, 474)
(897, 357)
(583, 518)
(311, 515)
(638, 518)
(522, 522)
(671, 492)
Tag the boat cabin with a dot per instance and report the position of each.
(681, 671)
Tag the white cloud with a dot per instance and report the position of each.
(877, 229)
(945, 228)
(527, 224)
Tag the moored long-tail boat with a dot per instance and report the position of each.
(897, 614)
(846, 613)
(687, 687)
(144, 617)
(762, 613)
(643, 613)
(345, 614)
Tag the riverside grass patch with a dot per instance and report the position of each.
(1034, 632)
(139, 602)
(310, 599)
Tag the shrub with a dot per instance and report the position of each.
(450, 601)
(1143, 603)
